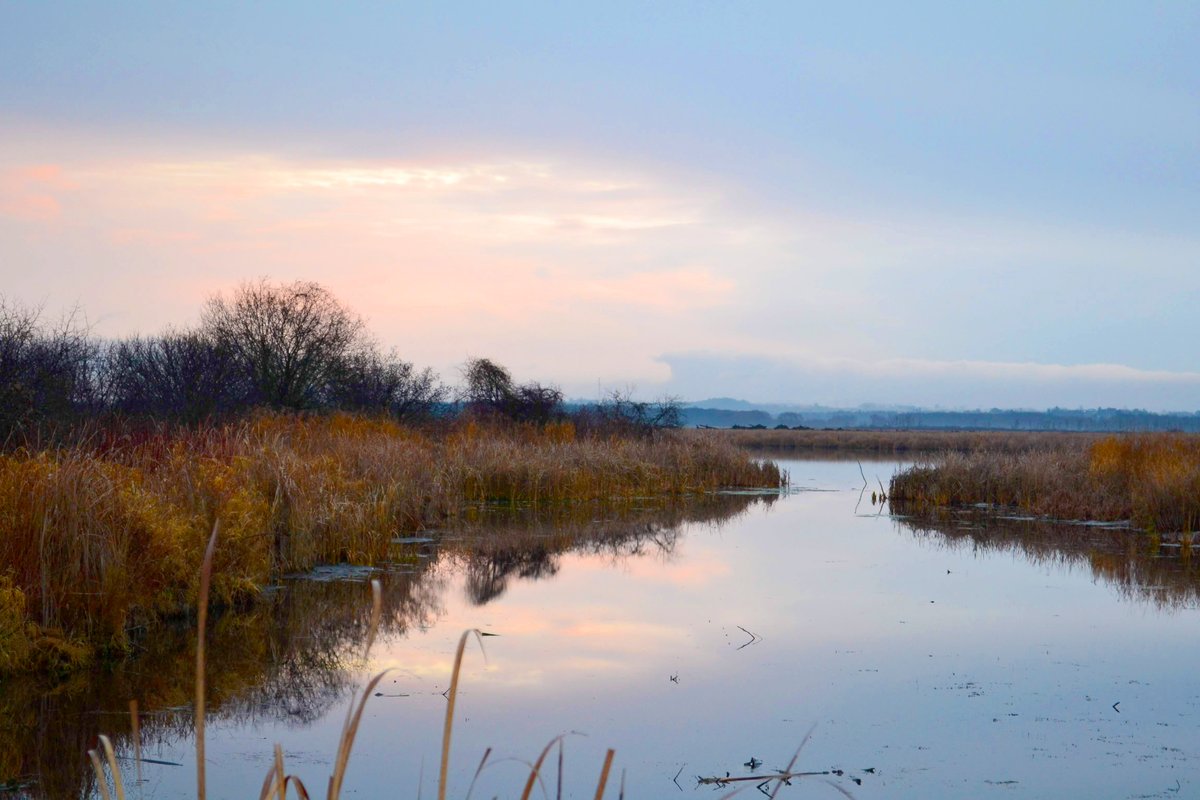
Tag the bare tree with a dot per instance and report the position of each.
(618, 412)
(369, 381)
(179, 375)
(46, 373)
(490, 389)
(291, 339)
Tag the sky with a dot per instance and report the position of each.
(942, 204)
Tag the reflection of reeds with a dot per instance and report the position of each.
(1159, 570)
(104, 537)
(289, 658)
(1152, 480)
(277, 781)
(499, 543)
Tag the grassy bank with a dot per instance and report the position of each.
(1153, 481)
(101, 540)
(909, 441)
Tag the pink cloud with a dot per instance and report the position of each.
(30, 193)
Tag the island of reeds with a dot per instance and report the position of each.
(281, 422)
(1150, 481)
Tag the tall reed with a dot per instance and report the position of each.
(1151, 480)
(102, 539)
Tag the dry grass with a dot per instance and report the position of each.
(1151, 480)
(107, 535)
(907, 441)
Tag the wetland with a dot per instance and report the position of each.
(969, 653)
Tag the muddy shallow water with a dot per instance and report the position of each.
(961, 658)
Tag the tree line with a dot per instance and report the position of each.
(288, 347)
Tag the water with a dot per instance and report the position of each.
(964, 660)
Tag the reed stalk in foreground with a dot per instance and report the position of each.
(201, 627)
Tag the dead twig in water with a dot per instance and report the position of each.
(795, 758)
(779, 776)
(754, 637)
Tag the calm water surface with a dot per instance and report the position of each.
(960, 662)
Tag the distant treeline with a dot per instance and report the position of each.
(1055, 419)
(285, 347)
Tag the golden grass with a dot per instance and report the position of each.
(106, 536)
(1151, 480)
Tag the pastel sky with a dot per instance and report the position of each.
(953, 204)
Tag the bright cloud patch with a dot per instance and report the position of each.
(564, 273)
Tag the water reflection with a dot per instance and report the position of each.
(287, 659)
(1152, 568)
(295, 655)
(501, 543)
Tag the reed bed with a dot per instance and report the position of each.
(888, 442)
(1153, 481)
(102, 538)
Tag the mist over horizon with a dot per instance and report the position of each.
(906, 383)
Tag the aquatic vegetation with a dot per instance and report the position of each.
(101, 540)
(1151, 480)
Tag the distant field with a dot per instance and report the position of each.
(913, 441)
